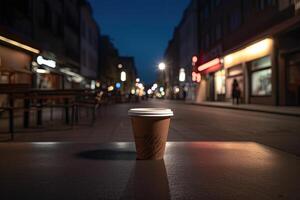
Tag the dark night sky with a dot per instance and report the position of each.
(140, 28)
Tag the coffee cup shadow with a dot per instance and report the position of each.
(148, 180)
(107, 154)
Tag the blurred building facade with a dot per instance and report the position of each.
(171, 58)
(179, 52)
(253, 42)
(89, 45)
(127, 66)
(54, 44)
(109, 60)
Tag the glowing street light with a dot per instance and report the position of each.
(182, 75)
(123, 76)
(162, 66)
(137, 80)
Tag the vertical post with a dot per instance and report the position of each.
(73, 115)
(11, 117)
(40, 112)
(67, 110)
(51, 111)
(26, 112)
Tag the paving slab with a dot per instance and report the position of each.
(190, 170)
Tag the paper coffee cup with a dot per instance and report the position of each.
(150, 128)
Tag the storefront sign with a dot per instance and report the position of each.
(49, 63)
(17, 44)
(215, 64)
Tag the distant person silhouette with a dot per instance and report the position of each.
(236, 93)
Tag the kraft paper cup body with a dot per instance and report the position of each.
(150, 129)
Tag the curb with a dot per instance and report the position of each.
(248, 109)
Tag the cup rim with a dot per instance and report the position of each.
(150, 112)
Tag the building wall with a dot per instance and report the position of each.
(109, 60)
(180, 50)
(88, 43)
(15, 60)
(129, 67)
(48, 30)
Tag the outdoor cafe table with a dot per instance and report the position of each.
(190, 170)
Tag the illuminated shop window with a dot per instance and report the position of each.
(261, 77)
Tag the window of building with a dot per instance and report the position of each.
(261, 77)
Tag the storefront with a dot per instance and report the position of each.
(253, 67)
(235, 73)
(14, 65)
(46, 71)
(212, 84)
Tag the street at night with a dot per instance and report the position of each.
(150, 99)
(191, 123)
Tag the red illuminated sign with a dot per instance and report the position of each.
(211, 66)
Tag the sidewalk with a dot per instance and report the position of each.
(281, 110)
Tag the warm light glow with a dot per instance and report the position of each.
(110, 88)
(176, 90)
(98, 84)
(209, 64)
(123, 76)
(17, 44)
(42, 61)
(194, 59)
(42, 71)
(141, 86)
(120, 66)
(252, 52)
(137, 80)
(75, 77)
(182, 75)
(133, 91)
(196, 77)
(162, 66)
(149, 92)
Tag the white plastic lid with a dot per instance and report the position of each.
(150, 112)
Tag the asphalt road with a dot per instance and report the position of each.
(190, 123)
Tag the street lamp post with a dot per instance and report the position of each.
(162, 67)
